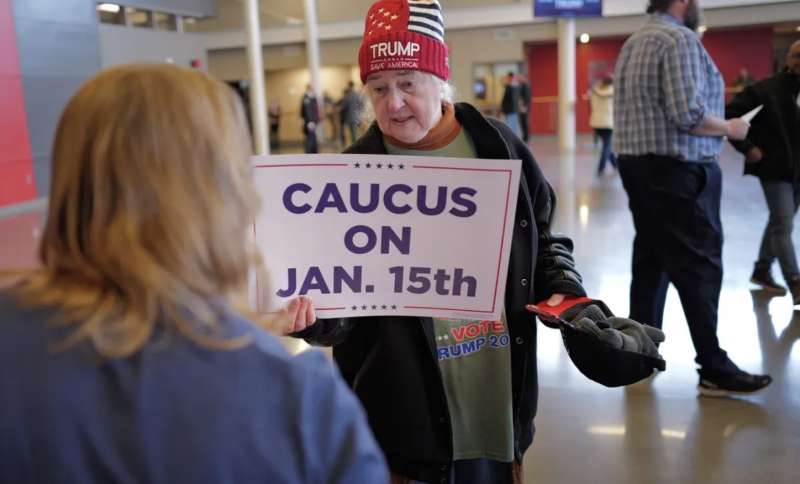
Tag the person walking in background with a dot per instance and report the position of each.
(130, 354)
(743, 80)
(331, 111)
(274, 114)
(772, 153)
(669, 126)
(601, 99)
(511, 103)
(524, 107)
(351, 108)
(309, 111)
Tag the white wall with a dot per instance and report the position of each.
(122, 45)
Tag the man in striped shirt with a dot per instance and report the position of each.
(670, 125)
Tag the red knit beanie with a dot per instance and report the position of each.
(404, 35)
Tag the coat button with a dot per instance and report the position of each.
(519, 340)
(524, 282)
(523, 223)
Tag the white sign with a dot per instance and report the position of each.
(366, 235)
(748, 117)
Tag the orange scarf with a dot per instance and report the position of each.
(440, 136)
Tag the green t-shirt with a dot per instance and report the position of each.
(475, 363)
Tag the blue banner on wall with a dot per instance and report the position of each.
(568, 8)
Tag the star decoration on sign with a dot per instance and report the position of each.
(379, 166)
(364, 308)
(387, 13)
(380, 10)
(383, 306)
(369, 166)
(388, 27)
(394, 17)
(374, 307)
(394, 307)
(354, 308)
(402, 167)
(390, 166)
(357, 165)
(380, 24)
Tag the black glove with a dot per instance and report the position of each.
(595, 318)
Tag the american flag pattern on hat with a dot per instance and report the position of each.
(425, 17)
(404, 35)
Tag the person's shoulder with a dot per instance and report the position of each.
(21, 325)
(13, 311)
(666, 33)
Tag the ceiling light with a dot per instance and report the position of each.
(189, 20)
(585, 38)
(798, 28)
(108, 7)
(293, 21)
(702, 29)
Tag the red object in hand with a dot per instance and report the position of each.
(551, 315)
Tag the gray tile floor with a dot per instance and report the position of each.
(658, 431)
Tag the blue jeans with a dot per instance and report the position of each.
(512, 120)
(783, 199)
(606, 155)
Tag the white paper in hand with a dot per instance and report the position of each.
(752, 114)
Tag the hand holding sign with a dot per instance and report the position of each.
(297, 315)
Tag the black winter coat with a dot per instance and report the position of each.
(776, 129)
(390, 362)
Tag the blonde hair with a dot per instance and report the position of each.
(150, 209)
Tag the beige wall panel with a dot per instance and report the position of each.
(288, 85)
(470, 47)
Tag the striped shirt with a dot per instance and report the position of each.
(666, 84)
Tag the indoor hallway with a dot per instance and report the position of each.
(658, 431)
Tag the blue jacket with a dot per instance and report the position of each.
(174, 412)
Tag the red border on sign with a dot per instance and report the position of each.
(422, 167)
(502, 233)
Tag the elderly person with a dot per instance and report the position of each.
(439, 417)
(127, 356)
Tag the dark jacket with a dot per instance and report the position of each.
(776, 129)
(309, 110)
(525, 95)
(511, 99)
(391, 361)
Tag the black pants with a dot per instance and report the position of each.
(675, 208)
(311, 141)
(523, 126)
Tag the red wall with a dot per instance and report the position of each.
(731, 50)
(16, 166)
